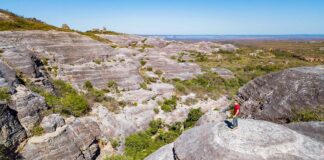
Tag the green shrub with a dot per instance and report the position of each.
(74, 104)
(156, 110)
(4, 94)
(149, 68)
(115, 143)
(136, 143)
(168, 137)
(158, 72)
(143, 85)
(112, 86)
(98, 95)
(63, 88)
(305, 115)
(88, 85)
(155, 125)
(193, 117)
(169, 104)
(143, 62)
(37, 130)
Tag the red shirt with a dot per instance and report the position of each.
(237, 109)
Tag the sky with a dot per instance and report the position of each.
(179, 17)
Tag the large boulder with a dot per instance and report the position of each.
(28, 106)
(78, 140)
(277, 96)
(313, 129)
(51, 122)
(253, 140)
(12, 132)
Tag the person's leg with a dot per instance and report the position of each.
(235, 122)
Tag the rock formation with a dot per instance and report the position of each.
(12, 132)
(312, 129)
(252, 140)
(78, 140)
(276, 96)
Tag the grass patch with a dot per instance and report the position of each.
(305, 115)
(37, 130)
(169, 104)
(4, 94)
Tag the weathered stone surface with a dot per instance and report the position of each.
(77, 140)
(51, 122)
(61, 47)
(12, 133)
(125, 74)
(28, 106)
(274, 96)
(7, 76)
(164, 153)
(312, 129)
(223, 72)
(172, 69)
(124, 40)
(252, 140)
(211, 116)
(228, 47)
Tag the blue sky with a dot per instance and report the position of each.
(179, 16)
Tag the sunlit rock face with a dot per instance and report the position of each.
(253, 139)
(276, 96)
(77, 140)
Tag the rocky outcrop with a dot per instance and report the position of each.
(51, 122)
(12, 133)
(28, 106)
(253, 140)
(164, 153)
(172, 69)
(312, 129)
(7, 76)
(277, 96)
(78, 140)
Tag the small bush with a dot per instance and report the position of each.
(88, 85)
(143, 85)
(305, 115)
(4, 94)
(149, 68)
(169, 104)
(143, 62)
(74, 104)
(115, 143)
(136, 143)
(158, 72)
(156, 110)
(168, 137)
(37, 130)
(193, 117)
(155, 125)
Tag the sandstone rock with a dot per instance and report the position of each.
(12, 133)
(7, 76)
(252, 140)
(126, 75)
(164, 153)
(51, 122)
(312, 129)
(211, 116)
(223, 72)
(28, 106)
(124, 40)
(172, 69)
(77, 140)
(274, 96)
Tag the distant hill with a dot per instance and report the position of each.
(11, 21)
